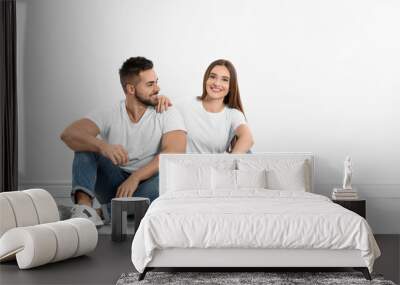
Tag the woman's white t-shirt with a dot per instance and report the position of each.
(209, 132)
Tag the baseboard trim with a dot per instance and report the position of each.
(58, 189)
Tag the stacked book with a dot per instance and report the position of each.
(344, 194)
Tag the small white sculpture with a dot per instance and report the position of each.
(348, 172)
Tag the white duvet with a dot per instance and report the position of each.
(251, 218)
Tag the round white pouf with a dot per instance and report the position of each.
(87, 235)
(23, 208)
(46, 207)
(26, 208)
(32, 246)
(40, 244)
(67, 240)
(7, 218)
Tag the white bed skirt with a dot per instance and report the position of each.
(193, 257)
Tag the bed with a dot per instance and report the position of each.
(246, 211)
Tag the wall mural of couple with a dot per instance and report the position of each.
(116, 149)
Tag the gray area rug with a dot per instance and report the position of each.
(273, 278)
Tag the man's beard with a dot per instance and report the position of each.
(146, 101)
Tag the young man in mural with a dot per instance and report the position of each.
(116, 149)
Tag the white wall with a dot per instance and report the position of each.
(319, 76)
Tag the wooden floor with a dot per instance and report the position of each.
(110, 260)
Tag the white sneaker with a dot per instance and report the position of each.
(83, 211)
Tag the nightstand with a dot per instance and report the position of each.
(357, 206)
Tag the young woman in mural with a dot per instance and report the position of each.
(215, 121)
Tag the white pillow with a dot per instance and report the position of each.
(235, 179)
(188, 177)
(223, 179)
(282, 174)
(287, 179)
(252, 178)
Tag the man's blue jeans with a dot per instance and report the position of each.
(98, 177)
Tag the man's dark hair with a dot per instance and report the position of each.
(131, 69)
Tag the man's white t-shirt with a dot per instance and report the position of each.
(209, 132)
(142, 140)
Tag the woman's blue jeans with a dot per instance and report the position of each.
(99, 178)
